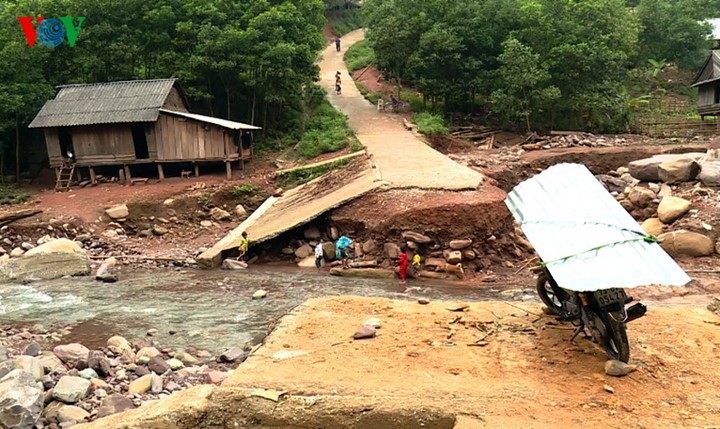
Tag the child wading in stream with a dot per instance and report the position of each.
(416, 265)
(403, 263)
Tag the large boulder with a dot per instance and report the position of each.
(117, 212)
(641, 197)
(70, 389)
(453, 257)
(118, 344)
(672, 209)
(460, 244)
(392, 250)
(55, 259)
(710, 173)
(328, 250)
(106, 271)
(304, 251)
(219, 214)
(31, 366)
(681, 170)
(416, 237)
(72, 354)
(21, 400)
(686, 243)
(647, 170)
(369, 246)
(612, 184)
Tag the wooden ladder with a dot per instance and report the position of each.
(65, 177)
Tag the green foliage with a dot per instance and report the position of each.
(370, 96)
(656, 67)
(245, 190)
(413, 99)
(326, 131)
(203, 200)
(359, 56)
(429, 123)
(356, 146)
(12, 195)
(292, 178)
(345, 20)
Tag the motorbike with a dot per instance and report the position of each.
(602, 314)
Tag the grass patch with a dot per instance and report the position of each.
(370, 96)
(344, 21)
(327, 131)
(291, 179)
(11, 195)
(429, 123)
(245, 190)
(356, 146)
(413, 99)
(359, 56)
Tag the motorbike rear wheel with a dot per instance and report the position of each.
(616, 341)
(548, 296)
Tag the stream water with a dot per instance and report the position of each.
(212, 310)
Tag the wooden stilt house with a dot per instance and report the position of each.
(136, 122)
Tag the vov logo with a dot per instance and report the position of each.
(52, 31)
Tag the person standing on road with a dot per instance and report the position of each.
(337, 44)
(319, 254)
(403, 263)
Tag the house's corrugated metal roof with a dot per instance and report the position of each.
(105, 103)
(710, 71)
(216, 121)
(566, 211)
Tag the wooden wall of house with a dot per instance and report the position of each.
(52, 141)
(103, 144)
(706, 95)
(180, 139)
(174, 101)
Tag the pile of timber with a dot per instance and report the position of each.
(482, 137)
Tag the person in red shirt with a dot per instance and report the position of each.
(403, 263)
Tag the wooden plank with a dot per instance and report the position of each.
(201, 141)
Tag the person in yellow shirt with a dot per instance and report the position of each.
(244, 245)
(416, 264)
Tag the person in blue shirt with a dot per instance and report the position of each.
(337, 44)
(342, 249)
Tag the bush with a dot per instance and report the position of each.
(356, 145)
(345, 21)
(326, 131)
(414, 100)
(359, 56)
(370, 96)
(429, 123)
(246, 189)
(11, 195)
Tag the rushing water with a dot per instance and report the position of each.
(211, 310)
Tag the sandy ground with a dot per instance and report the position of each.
(527, 376)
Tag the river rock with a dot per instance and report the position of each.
(287, 251)
(71, 389)
(141, 385)
(72, 354)
(304, 251)
(365, 332)
(159, 230)
(32, 349)
(681, 170)
(118, 344)
(105, 272)
(187, 358)
(416, 237)
(710, 173)
(616, 368)
(219, 214)
(68, 413)
(612, 184)
(672, 208)
(240, 211)
(156, 386)
(233, 264)
(374, 322)
(89, 373)
(216, 377)
(175, 364)
(115, 403)
(454, 257)
(158, 365)
(665, 191)
(392, 250)
(259, 294)
(653, 226)
(144, 355)
(312, 233)
(686, 243)
(21, 400)
(58, 258)
(641, 197)
(3, 354)
(30, 365)
(460, 244)
(118, 212)
(468, 254)
(26, 246)
(17, 252)
(98, 362)
(328, 250)
(235, 354)
(51, 364)
(369, 246)
(206, 223)
(647, 170)
(99, 384)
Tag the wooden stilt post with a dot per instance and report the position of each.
(57, 173)
(128, 176)
(161, 172)
(79, 175)
(93, 176)
(197, 170)
(228, 169)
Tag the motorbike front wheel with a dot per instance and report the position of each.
(616, 341)
(548, 296)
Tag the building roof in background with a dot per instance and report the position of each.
(586, 238)
(710, 72)
(210, 120)
(105, 103)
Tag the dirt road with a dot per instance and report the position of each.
(404, 160)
